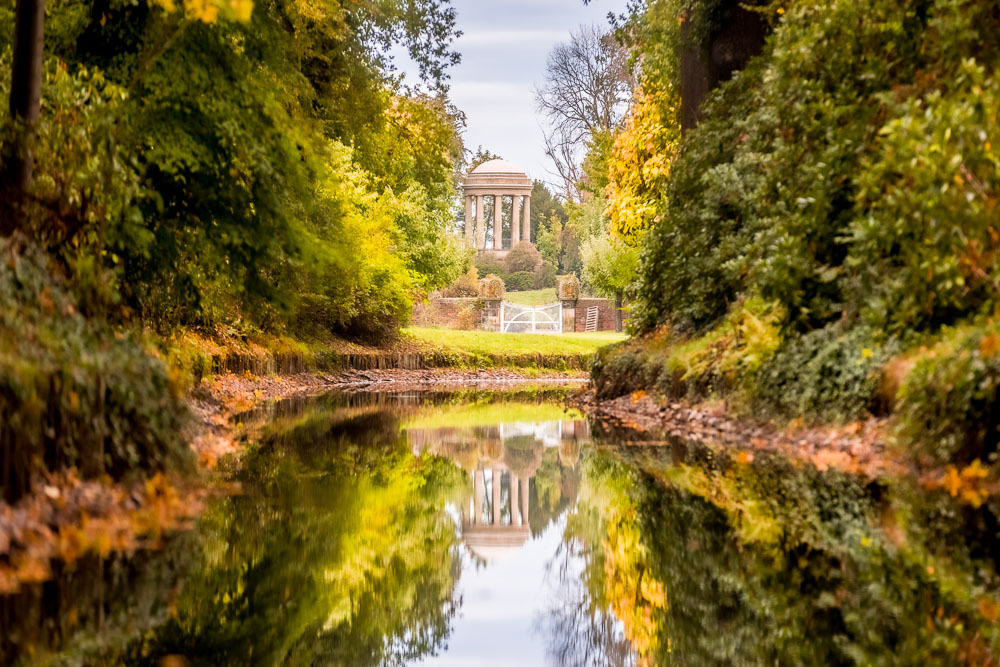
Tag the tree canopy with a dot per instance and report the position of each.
(222, 166)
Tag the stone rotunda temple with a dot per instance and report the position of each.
(497, 179)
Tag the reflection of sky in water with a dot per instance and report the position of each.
(501, 603)
(508, 579)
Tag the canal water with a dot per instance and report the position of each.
(501, 528)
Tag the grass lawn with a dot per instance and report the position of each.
(535, 297)
(491, 343)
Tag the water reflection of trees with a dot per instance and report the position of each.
(711, 560)
(348, 555)
(338, 551)
(579, 629)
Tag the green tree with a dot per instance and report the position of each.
(544, 204)
(200, 159)
(609, 268)
(559, 244)
(480, 156)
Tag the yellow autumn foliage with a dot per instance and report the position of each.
(632, 592)
(209, 11)
(640, 164)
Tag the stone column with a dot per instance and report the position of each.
(477, 511)
(468, 221)
(496, 496)
(480, 224)
(526, 232)
(498, 222)
(525, 497)
(513, 499)
(515, 219)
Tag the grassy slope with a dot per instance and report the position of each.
(535, 297)
(491, 342)
(191, 355)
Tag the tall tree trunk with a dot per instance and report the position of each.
(25, 98)
(618, 310)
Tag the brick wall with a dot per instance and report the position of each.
(605, 314)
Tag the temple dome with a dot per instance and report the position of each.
(497, 177)
(499, 167)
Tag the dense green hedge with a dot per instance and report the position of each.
(948, 403)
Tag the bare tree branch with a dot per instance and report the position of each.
(587, 89)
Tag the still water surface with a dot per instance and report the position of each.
(500, 528)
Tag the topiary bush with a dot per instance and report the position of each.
(74, 393)
(568, 288)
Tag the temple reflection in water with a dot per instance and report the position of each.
(502, 461)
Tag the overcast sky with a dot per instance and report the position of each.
(504, 46)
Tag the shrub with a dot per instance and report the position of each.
(622, 368)
(830, 373)
(520, 281)
(467, 285)
(833, 174)
(72, 392)
(470, 316)
(488, 264)
(491, 287)
(727, 357)
(949, 403)
(523, 257)
(569, 287)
